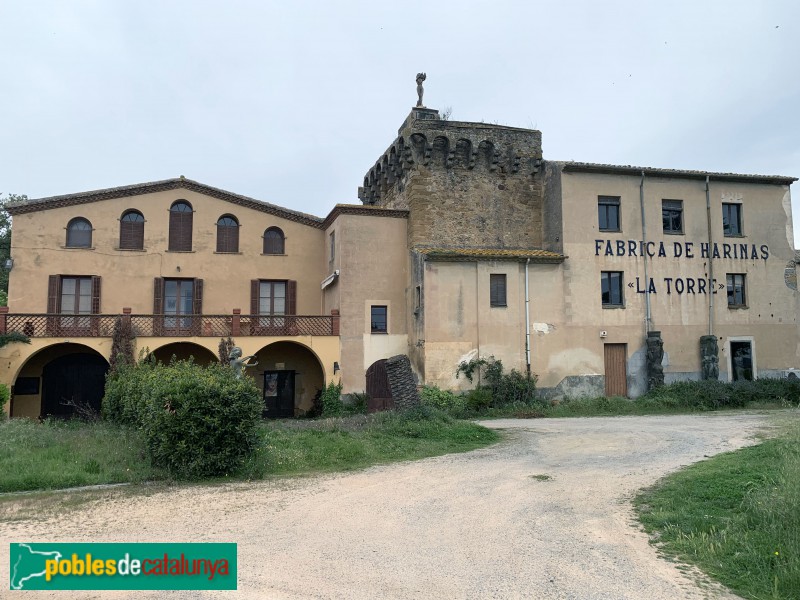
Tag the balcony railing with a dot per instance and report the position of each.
(235, 325)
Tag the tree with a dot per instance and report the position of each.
(5, 242)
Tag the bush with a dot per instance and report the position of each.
(443, 400)
(331, 400)
(712, 395)
(5, 394)
(198, 421)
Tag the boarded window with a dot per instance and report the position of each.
(180, 227)
(227, 234)
(497, 289)
(131, 231)
(274, 241)
(79, 233)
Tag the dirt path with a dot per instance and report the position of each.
(475, 525)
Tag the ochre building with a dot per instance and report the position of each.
(468, 243)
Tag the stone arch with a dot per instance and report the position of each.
(440, 152)
(486, 156)
(463, 154)
(296, 363)
(59, 373)
(183, 350)
(419, 148)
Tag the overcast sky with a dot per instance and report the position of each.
(291, 102)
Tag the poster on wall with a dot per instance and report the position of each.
(270, 384)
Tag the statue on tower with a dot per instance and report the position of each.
(420, 90)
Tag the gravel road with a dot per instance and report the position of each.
(475, 525)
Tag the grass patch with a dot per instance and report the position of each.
(344, 445)
(736, 516)
(62, 454)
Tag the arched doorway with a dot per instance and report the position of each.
(184, 351)
(60, 381)
(290, 376)
(73, 385)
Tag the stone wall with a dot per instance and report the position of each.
(401, 382)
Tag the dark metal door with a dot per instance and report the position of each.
(378, 390)
(73, 379)
(279, 394)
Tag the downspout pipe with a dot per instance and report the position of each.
(527, 323)
(710, 264)
(647, 316)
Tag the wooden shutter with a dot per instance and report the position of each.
(96, 295)
(180, 231)
(131, 235)
(158, 305)
(497, 289)
(291, 297)
(54, 294)
(197, 301)
(255, 286)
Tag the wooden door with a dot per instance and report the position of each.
(616, 357)
(378, 390)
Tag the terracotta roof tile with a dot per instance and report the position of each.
(535, 255)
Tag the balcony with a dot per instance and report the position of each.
(234, 325)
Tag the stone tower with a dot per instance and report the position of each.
(466, 185)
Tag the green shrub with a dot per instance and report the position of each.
(199, 421)
(331, 400)
(5, 394)
(514, 388)
(712, 395)
(358, 404)
(479, 399)
(443, 400)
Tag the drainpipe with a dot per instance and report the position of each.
(527, 323)
(478, 314)
(710, 265)
(646, 279)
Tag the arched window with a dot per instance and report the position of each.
(274, 241)
(131, 230)
(79, 233)
(180, 226)
(227, 234)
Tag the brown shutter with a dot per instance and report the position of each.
(53, 303)
(158, 305)
(96, 295)
(131, 235)
(497, 290)
(255, 286)
(158, 296)
(54, 294)
(197, 304)
(180, 231)
(291, 297)
(223, 243)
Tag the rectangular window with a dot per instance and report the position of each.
(608, 213)
(737, 295)
(497, 289)
(333, 245)
(732, 219)
(76, 299)
(672, 215)
(378, 320)
(611, 286)
(178, 303)
(272, 302)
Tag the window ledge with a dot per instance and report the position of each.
(217, 252)
(130, 249)
(609, 230)
(738, 306)
(613, 306)
(271, 254)
(734, 235)
(498, 306)
(674, 233)
(379, 332)
(77, 247)
(180, 251)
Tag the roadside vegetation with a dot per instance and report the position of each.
(498, 394)
(735, 516)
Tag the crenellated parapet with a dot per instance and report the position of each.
(429, 142)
